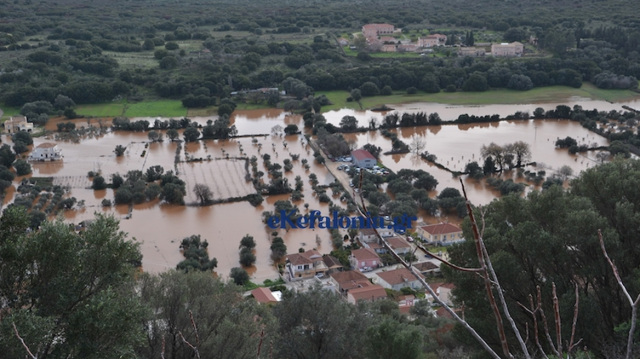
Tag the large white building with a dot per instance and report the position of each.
(46, 152)
(362, 158)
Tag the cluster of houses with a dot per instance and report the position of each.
(379, 38)
(368, 279)
(43, 152)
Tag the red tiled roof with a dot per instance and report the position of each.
(397, 276)
(397, 242)
(425, 266)
(442, 228)
(348, 276)
(46, 145)
(331, 261)
(307, 257)
(371, 292)
(362, 155)
(263, 295)
(364, 254)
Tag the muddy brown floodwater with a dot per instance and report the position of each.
(160, 227)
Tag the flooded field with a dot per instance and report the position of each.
(222, 166)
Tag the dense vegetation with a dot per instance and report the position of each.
(551, 237)
(198, 54)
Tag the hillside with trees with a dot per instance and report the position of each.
(196, 53)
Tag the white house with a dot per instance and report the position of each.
(46, 152)
(18, 123)
(363, 158)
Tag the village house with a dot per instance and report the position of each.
(427, 268)
(375, 30)
(46, 152)
(265, 296)
(507, 50)
(332, 263)
(443, 233)
(377, 247)
(471, 51)
(348, 280)
(366, 235)
(406, 302)
(432, 40)
(367, 294)
(306, 264)
(363, 158)
(399, 245)
(364, 259)
(17, 123)
(398, 278)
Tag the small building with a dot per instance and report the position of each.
(264, 295)
(306, 264)
(443, 233)
(367, 294)
(427, 268)
(377, 247)
(471, 51)
(367, 235)
(364, 259)
(507, 49)
(363, 158)
(399, 278)
(432, 40)
(18, 123)
(46, 152)
(375, 30)
(348, 280)
(399, 245)
(332, 263)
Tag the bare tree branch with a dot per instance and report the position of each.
(485, 275)
(634, 304)
(556, 314)
(575, 321)
(15, 329)
(163, 345)
(545, 324)
(195, 328)
(195, 350)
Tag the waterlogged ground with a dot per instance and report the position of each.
(160, 227)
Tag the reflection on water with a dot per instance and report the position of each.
(161, 227)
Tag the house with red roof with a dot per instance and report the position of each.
(306, 264)
(399, 245)
(369, 235)
(363, 158)
(442, 233)
(349, 280)
(364, 259)
(264, 295)
(375, 30)
(368, 294)
(399, 278)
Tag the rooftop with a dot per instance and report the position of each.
(307, 257)
(46, 145)
(371, 292)
(397, 276)
(362, 155)
(397, 242)
(363, 254)
(442, 228)
(263, 295)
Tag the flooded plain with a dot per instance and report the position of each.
(160, 227)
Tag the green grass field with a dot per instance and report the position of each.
(502, 96)
(159, 108)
